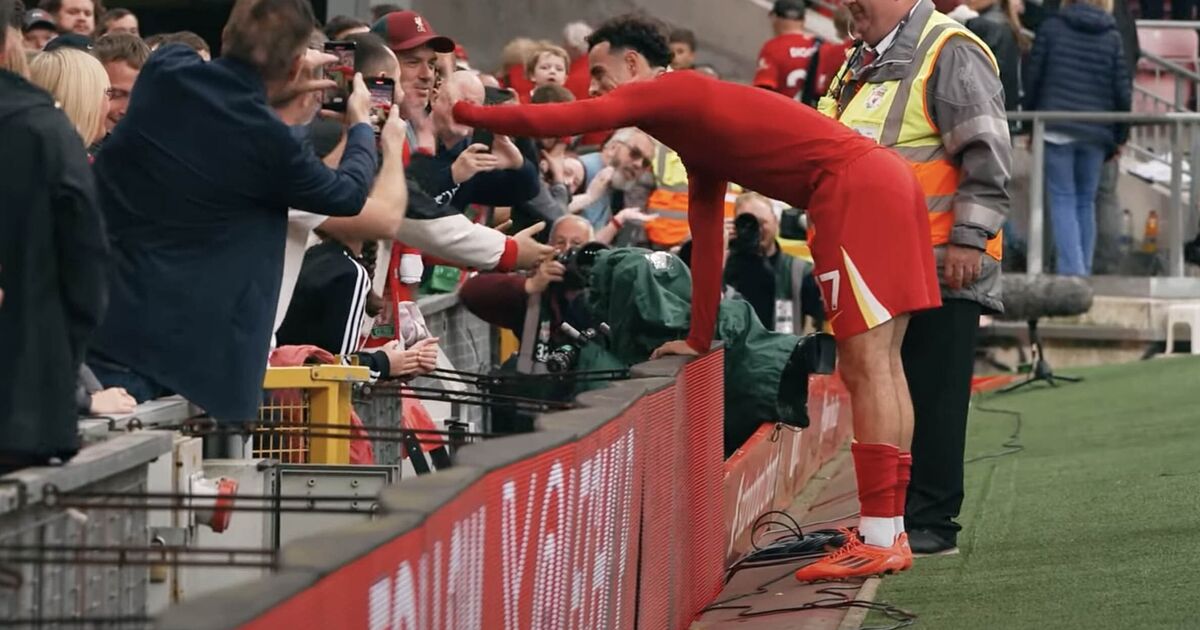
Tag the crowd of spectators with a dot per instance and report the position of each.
(163, 167)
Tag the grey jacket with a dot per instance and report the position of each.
(967, 105)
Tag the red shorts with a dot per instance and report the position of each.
(869, 237)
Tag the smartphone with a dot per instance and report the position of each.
(484, 137)
(341, 72)
(383, 92)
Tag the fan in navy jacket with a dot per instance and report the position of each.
(195, 185)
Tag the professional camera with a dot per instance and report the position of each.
(579, 261)
(747, 235)
(565, 357)
(814, 354)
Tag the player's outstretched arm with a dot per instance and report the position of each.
(621, 108)
(706, 212)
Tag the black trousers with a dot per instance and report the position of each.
(939, 356)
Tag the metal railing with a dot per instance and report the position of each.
(1184, 145)
(1149, 140)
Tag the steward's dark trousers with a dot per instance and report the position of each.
(939, 357)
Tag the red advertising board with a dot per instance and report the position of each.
(548, 542)
(590, 523)
(774, 465)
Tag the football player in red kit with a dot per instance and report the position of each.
(870, 235)
(787, 62)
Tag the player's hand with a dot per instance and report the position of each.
(509, 156)
(962, 266)
(393, 136)
(474, 160)
(529, 251)
(548, 272)
(358, 104)
(680, 348)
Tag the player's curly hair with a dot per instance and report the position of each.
(638, 32)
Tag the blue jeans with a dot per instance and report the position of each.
(1072, 177)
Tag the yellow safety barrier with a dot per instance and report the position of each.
(303, 396)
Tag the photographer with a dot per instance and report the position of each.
(504, 300)
(759, 270)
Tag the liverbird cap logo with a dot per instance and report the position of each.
(419, 23)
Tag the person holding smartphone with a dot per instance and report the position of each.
(198, 247)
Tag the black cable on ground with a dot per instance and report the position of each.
(837, 599)
(1012, 445)
(793, 546)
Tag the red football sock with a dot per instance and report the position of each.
(876, 468)
(903, 475)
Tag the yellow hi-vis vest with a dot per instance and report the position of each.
(896, 115)
(670, 200)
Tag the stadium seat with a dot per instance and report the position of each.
(1181, 46)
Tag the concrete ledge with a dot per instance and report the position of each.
(92, 464)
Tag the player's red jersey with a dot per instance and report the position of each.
(784, 63)
(727, 132)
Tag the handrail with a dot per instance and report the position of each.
(1171, 66)
(1168, 24)
(1179, 146)
(1133, 118)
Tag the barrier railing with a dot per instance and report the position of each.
(1184, 146)
(38, 591)
(607, 516)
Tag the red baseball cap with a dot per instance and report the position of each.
(406, 30)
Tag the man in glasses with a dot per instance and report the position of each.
(122, 55)
(620, 166)
(870, 237)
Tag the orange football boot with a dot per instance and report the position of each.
(854, 559)
(904, 550)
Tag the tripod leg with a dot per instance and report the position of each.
(1069, 379)
(1015, 386)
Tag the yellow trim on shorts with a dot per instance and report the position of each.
(872, 310)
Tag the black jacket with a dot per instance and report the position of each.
(52, 254)
(1078, 64)
(496, 188)
(195, 184)
(328, 306)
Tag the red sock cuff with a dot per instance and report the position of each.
(903, 475)
(876, 467)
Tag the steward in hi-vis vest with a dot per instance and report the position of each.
(670, 200)
(961, 155)
(929, 89)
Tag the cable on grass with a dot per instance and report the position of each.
(1012, 445)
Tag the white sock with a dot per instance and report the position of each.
(877, 531)
(898, 524)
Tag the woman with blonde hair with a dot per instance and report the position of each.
(80, 86)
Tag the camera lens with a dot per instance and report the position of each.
(746, 233)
